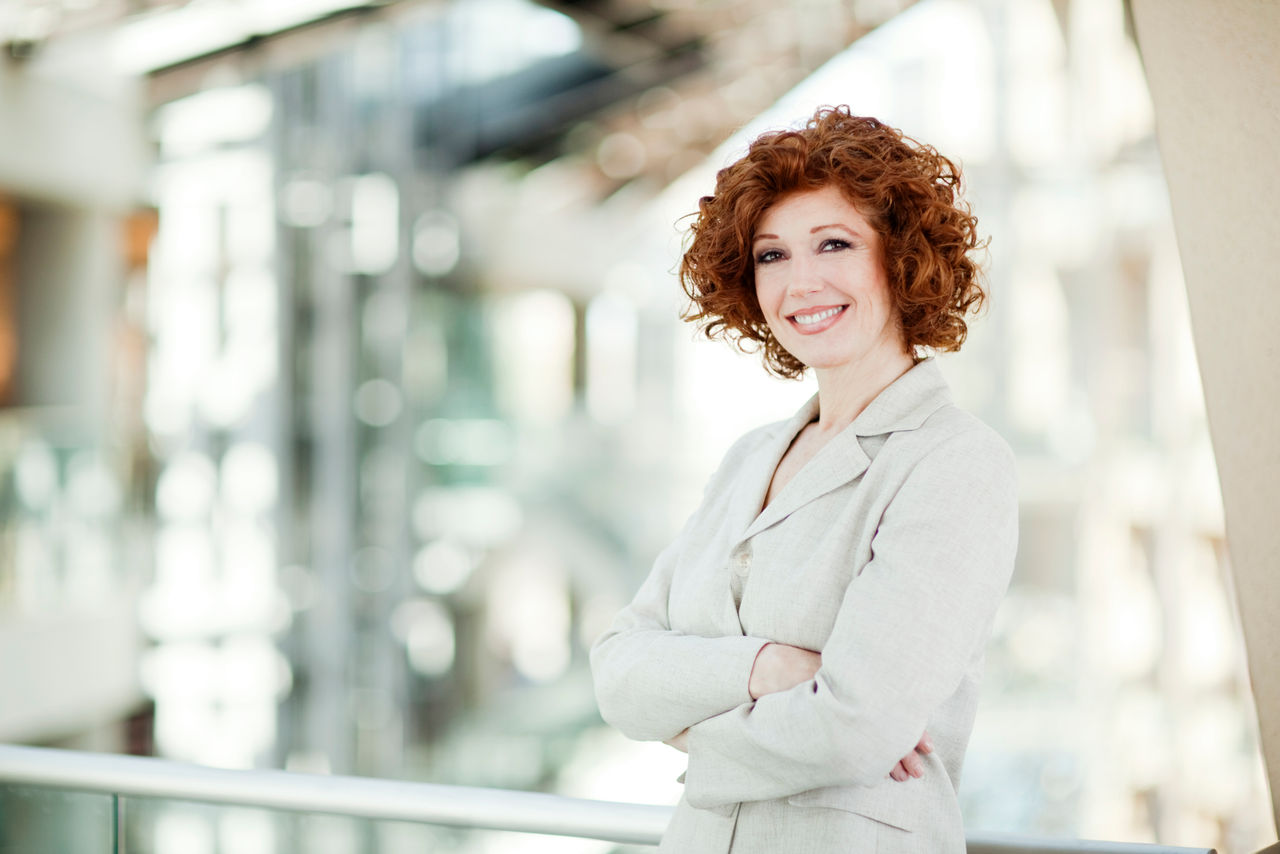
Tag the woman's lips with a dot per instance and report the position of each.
(811, 321)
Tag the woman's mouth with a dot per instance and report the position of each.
(814, 320)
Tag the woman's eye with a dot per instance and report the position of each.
(768, 256)
(834, 244)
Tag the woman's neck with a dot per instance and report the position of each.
(844, 392)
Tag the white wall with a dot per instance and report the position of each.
(73, 158)
(67, 141)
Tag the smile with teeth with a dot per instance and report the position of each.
(817, 316)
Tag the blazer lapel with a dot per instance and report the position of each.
(757, 469)
(903, 405)
(840, 461)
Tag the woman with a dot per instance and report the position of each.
(814, 636)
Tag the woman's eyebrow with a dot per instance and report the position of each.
(839, 225)
(814, 230)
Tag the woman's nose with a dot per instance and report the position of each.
(804, 281)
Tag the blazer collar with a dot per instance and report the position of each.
(904, 404)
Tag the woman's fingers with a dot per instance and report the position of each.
(910, 765)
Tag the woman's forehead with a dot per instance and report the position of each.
(811, 209)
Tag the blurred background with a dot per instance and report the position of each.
(343, 395)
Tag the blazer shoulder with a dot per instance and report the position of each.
(751, 441)
(954, 434)
(736, 460)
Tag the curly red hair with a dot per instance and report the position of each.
(907, 191)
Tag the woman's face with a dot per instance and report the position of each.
(821, 282)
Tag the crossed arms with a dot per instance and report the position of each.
(781, 667)
(762, 720)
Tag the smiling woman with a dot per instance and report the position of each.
(821, 285)
(814, 637)
(905, 196)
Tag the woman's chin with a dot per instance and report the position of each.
(825, 361)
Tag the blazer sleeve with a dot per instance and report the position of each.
(653, 682)
(909, 628)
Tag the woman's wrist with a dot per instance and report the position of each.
(754, 689)
(781, 668)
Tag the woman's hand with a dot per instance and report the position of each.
(779, 667)
(680, 741)
(911, 765)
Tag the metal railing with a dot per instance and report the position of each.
(430, 803)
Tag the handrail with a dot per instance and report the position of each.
(431, 803)
(359, 797)
(983, 842)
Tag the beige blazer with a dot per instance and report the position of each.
(888, 552)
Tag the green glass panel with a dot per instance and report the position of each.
(37, 819)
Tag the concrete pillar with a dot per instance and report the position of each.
(1214, 71)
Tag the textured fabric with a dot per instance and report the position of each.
(888, 552)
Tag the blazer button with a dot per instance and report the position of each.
(742, 563)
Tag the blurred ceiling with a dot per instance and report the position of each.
(654, 87)
(690, 72)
